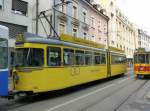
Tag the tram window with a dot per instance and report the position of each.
(3, 55)
(135, 58)
(68, 57)
(29, 57)
(103, 59)
(142, 58)
(117, 59)
(146, 58)
(124, 60)
(97, 58)
(120, 60)
(88, 58)
(79, 57)
(54, 56)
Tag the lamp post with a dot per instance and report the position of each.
(56, 5)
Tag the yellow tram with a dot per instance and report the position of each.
(48, 64)
(142, 62)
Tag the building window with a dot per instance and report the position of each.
(14, 29)
(93, 36)
(99, 25)
(62, 28)
(19, 7)
(92, 21)
(1, 4)
(74, 11)
(63, 7)
(112, 42)
(84, 17)
(85, 35)
(75, 32)
(117, 46)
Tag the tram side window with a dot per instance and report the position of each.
(3, 55)
(68, 57)
(97, 58)
(103, 59)
(79, 57)
(88, 58)
(54, 56)
(118, 59)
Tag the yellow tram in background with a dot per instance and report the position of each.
(142, 62)
(44, 65)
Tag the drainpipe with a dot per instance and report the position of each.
(37, 12)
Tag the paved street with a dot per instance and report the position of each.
(118, 94)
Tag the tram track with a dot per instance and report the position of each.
(130, 95)
(111, 95)
(21, 102)
(107, 96)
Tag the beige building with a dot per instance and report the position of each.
(126, 34)
(122, 33)
(143, 39)
(109, 7)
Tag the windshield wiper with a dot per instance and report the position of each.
(28, 55)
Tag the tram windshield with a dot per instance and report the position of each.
(3, 53)
(29, 57)
(141, 58)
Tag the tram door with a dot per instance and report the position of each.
(78, 62)
(108, 64)
(70, 61)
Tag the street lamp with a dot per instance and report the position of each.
(63, 2)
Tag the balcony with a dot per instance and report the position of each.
(63, 17)
(75, 22)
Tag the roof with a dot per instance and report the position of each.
(32, 38)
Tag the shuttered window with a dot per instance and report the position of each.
(20, 7)
(14, 29)
(1, 4)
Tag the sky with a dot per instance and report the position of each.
(137, 11)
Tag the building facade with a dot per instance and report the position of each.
(109, 7)
(17, 16)
(143, 39)
(122, 33)
(80, 19)
(126, 34)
